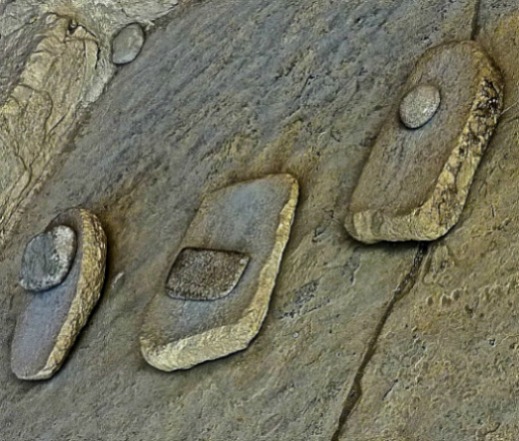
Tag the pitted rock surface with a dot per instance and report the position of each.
(200, 274)
(48, 258)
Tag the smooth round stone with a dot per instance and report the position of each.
(127, 44)
(48, 258)
(419, 106)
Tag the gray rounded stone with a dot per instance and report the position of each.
(419, 106)
(47, 259)
(127, 44)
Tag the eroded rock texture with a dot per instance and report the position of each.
(103, 19)
(40, 112)
(446, 363)
(246, 89)
(56, 60)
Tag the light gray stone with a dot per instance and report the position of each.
(419, 105)
(127, 44)
(47, 258)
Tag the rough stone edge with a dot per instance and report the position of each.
(14, 15)
(225, 340)
(447, 201)
(88, 291)
(33, 63)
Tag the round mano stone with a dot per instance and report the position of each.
(47, 259)
(419, 106)
(127, 44)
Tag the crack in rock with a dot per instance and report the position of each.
(403, 288)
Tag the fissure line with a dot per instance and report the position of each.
(404, 287)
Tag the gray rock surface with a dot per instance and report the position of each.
(253, 217)
(47, 258)
(248, 88)
(127, 44)
(47, 327)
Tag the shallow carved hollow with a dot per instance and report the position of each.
(200, 274)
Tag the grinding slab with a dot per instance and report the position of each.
(253, 219)
(47, 328)
(416, 181)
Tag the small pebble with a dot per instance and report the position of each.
(48, 258)
(118, 278)
(419, 106)
(127, 44)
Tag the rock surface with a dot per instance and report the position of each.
(248, 88)
(202, 274)
(47, 259)
(56, 60)
(127, 44)
(49, 324)
(415, 183)
(445, 366)
(39, 113)
(253, 218)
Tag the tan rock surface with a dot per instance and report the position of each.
(56, 60)
(445, 366)
(224, 93)
(416, 181)
(103, 19)
(41, 111)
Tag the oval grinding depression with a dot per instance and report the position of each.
(49, 324)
